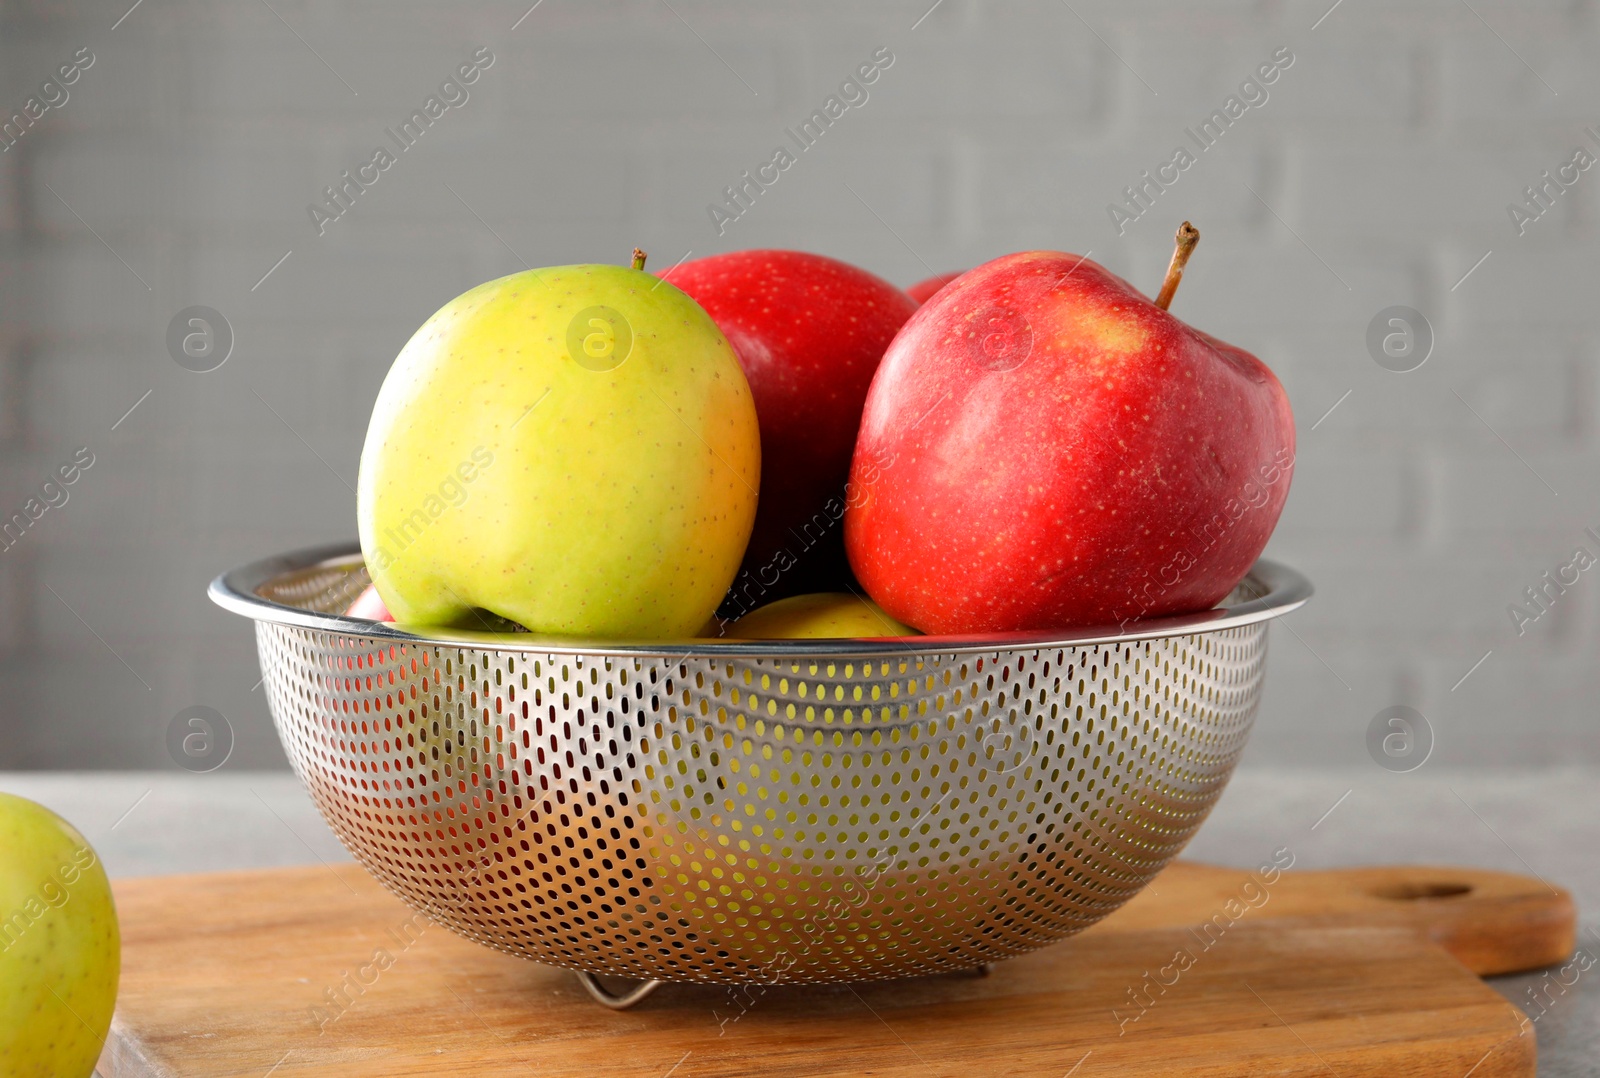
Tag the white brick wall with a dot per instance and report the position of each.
(1389, 150)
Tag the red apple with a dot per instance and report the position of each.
(369, 605)
(809, 332)
(926, 289)
(1044, 447)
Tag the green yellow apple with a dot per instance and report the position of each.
(819, 615)
(574, 448)
(60, 949)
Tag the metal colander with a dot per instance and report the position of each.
(816, 810)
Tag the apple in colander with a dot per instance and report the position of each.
(574, 449)
(1045, 447)
(369, 606)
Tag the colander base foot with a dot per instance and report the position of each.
(606, 998)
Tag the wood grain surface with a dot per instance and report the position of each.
(1209, 972)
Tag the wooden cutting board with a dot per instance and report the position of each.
(1356, 972)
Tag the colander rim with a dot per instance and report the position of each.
(1281, 588)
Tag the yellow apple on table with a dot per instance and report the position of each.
(574, 449)
(60, 948)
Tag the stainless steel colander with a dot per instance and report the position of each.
(824, 810)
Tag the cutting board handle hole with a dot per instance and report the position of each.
(1411, 890)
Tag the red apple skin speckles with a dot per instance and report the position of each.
(1044, 448)
(809, 332)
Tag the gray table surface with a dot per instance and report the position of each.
(1544, 823)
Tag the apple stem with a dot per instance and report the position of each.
(1188, 236)
(639, 257)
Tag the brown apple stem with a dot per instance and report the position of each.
(639, 257)
(1188, 236)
